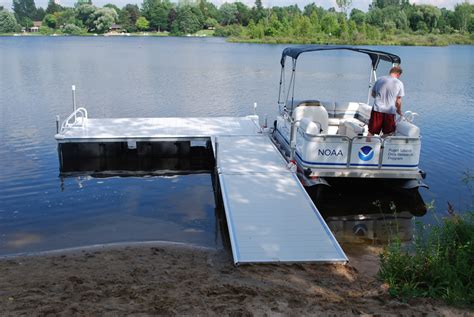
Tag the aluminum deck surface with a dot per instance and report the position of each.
(158, 128)
(269, 214)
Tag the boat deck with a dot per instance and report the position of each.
(269, 215)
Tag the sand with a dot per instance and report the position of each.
(170, 279)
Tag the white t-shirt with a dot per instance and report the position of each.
(387, 89)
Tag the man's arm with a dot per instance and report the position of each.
(398, 105)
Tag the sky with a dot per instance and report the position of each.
(359, 4)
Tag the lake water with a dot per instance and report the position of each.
(150, 77)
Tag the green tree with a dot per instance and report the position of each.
(208, 9)
(274, 26)
(128, 17)
(463, 16)
(142, 24)
(394, 16)
(7, 22)
(424, 17)
(81, 2)
(25, 11)
(73, 29)
(352, 29)
(40, 13)
(330, 24)
(103, 19)
(112, 6)
(375, 17)
(186, 21)
(53, 7)
(85, 14)
(171, 17)
(304, 26)
(243, 14)
(156, 12)
(51, 21)
(357, 16)
(228, 13)
(343, 28)
(314, 18)
(387, 3)
(258, 12)
(66, 16)
(256, 31)
(210, 23)
(344, 5)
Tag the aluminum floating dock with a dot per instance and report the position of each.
(270, 217)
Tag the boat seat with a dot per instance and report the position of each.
(330, 107)
(346, 110)
(309, 127)
(408, 129)
(363, 113)
(351, 127)
(317, 114)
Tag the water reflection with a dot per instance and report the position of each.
(358, 210)
(123, 199)
(355, 209)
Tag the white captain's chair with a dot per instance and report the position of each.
(315, 113)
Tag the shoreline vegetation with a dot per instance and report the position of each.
(402, 40)
(387, 22)
(438, 264)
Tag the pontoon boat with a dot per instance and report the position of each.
(328, 139)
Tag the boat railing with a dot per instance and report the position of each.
(77, 119)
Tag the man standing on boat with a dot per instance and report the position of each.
(387, 92)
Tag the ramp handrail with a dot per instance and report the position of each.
(79, 113)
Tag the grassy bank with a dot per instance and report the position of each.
(440, 264)
(403, 39)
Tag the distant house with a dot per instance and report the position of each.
(115, 28)
(36, 26)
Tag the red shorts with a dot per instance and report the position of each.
(381, 121)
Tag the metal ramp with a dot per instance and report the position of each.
(269, 214)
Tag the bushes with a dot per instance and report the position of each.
(229, 30)
(73, 29)
(440, 265)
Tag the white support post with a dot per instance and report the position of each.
(292, 139)
(372, 79)
(57, 124)
(73, 97)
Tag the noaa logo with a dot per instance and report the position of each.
(366, 153)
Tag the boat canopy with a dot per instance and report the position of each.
(374, 55)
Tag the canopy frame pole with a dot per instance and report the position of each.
(373, 77)
(282, 87)
(291, 87)
(293, 123)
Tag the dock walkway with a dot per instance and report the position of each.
(269, 215)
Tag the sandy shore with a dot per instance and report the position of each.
(163, 279)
